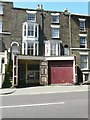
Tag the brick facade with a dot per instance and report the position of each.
(13, 19)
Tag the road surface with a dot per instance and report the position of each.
(54, 105)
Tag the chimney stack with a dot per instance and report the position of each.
(39, 7)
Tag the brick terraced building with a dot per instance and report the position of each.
(45, 47)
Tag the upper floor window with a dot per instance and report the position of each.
(54, 19)
(31, 17)
(0, 25)
(52, 48)
(66, 50)
(84, 61)
(82, 24)
(1, 9)
(24, 30)
(30, 30)
(55, 32)
(32, 48)
(83, 42)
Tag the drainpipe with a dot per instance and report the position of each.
(70, 33)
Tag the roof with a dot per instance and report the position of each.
(6, 0)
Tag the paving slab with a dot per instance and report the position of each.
(44, 90)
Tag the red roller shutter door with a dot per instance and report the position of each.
(61, 75)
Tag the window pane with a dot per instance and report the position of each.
(24, 47)
(0, 25)
(30, 30)
(55, 19)
(82, 25)
(24, 30)
(30, 48)
(53, 49)
(82, 42)
(31, 17)
(1, 9)
(36, 31)
(35, 48)
(83, 60)
(83, 65)
(55, 33)
(66, 51)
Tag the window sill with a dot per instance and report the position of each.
(55, 22)
(84, 69)
(55, 37)
(83, 30)
(32, 21)
(8, 33)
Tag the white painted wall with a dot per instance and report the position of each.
(2, 66)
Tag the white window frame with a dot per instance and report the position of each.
(0, 25)
(48, 48)
(84, 25)
(66, 51)
(55, 32)
(25, 28)
(30, 18)
(1, 9)
(83, 42)
(84, 54)
(53, 49)
(30, 37)
(31, 30)
(85, 73)
(56, 19)
(83, 35)
(31, 13)
(35, 49)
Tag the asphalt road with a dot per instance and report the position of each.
(54, 105)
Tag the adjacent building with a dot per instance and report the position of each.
(45, 47)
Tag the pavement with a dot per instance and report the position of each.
(44, 90)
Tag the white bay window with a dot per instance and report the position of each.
(30, 48)
(52, 48)
(30, 30)
(30, 37)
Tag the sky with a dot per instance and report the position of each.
(73, 7)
